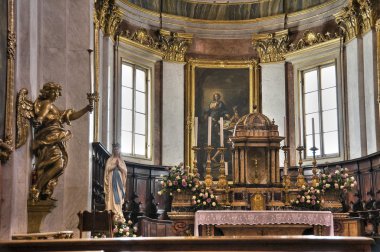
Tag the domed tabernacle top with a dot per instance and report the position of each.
(255, 122)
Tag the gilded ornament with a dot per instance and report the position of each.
(142, 37)
(368, 15)
(271, 47)
(11, 45)
(311, 38)
(107, 17)
(5, 151)
(49, 138)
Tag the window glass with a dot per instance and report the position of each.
(328, 77)
(127, 76)
(311, 81)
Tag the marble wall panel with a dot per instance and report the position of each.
(370, 92)
(53, 66)
(173, 102)
(355, 96)
(78, 25)
(54, 23)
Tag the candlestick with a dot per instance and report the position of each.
(209, 132)
(195, 131)
(221, 132)
(222, 181)
(91, 71)
(208, 177)
(226, 168)
(300, 177)
(195, 161)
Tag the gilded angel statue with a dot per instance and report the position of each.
(50, 136)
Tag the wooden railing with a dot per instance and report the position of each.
(143, 180)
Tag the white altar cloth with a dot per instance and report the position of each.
(232, 217)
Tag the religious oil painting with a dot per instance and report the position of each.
(217, 90)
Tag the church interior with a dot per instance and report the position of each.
(190, 125)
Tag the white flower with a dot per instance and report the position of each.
(130, 222)
(346, 169)
(297, 202)
(127, 233)
(161, 175)
(198, 201)
(201, 194)
(352, 185)
(324, 181)
(134, 235)
(308, 197)
(352, 178)
(322, 201)
(135, 229)
(337, 172)
(204, 202)
(213, 204)
(327, 185)
(336, 185)
(308, 201)
(311, 188)
(171, 194)
(178, 190)
(318, 192)
(341, 187)
(159, 193)
(317, 201)
(212, 196)
(194, 197)
(303, 187)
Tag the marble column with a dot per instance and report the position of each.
(274, 95)
(173, 97)
(355, 99)
(370, 92)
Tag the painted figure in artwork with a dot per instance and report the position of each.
(115, 182)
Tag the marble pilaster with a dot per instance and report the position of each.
(370, 92)
(355, 99)
(274, 95)
(173, 113)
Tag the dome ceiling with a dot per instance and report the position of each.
(226, 10)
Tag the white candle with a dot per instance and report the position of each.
(91, 71)
(195, 131)
(209, 132)
(285, 140)
(226, 168)
(221, 132)
(299, 131)
(313, 132)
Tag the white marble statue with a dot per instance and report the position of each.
(115, 179)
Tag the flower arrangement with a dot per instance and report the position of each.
(338, 180)
(124, 229)
(204, 199)
(308, 198)
(178, 180)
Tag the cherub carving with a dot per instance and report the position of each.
(50, 136)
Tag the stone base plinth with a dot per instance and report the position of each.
(37, 211)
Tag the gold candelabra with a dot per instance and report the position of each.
(208, 177)
(300, 177)
(222, 182)
(315, 178)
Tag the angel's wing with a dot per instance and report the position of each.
(24, 114)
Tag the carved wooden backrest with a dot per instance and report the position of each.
(97, 221)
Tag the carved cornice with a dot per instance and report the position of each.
(311, 38)
(271, 47)
(11, 45)
(174, 45)
(141, 37)
(357, 18)
(107, 17)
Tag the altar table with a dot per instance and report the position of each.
(232, 217)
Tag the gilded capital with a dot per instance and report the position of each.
(107, 17)
(357, 18)
(271, 47)
(174, 45)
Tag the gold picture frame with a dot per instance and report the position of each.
(251, 66)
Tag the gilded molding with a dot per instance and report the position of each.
(142, 37)
(6, 144)
(311, 38)
(174, 45)
(271, 47)
(378, 25)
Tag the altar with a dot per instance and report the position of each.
(250, 222)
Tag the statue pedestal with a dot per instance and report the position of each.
(37, 211)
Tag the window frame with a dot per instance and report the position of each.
(148, 105)
(320, 111)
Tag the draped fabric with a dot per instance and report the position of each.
(115, 179)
